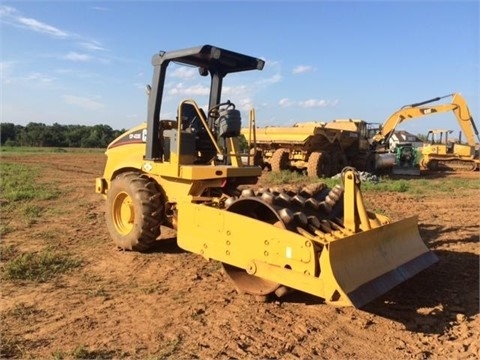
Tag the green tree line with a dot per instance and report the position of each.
(56, 135)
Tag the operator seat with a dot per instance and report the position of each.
(191, 122)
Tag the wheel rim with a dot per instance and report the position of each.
(123, 213)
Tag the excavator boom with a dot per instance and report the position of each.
(465, 119)
(413, 111)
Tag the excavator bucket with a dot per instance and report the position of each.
(370, 263)
(317, 240)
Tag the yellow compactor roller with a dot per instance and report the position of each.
(186, 173)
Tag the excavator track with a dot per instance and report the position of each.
(452, 165)
(312, 211)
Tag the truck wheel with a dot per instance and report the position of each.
(134, 211)
(338, 161)
(319, 165)
(370, 165)
(279, 160)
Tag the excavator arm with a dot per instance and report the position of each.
(465, 119)
(412, 111)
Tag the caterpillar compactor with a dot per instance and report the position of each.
(186, 173)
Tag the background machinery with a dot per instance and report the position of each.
(434, 155)
(323, 148)
(186, 173)
(309, 146)
(441, 153)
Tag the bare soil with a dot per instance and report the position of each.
(173, 304)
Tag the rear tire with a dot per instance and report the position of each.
(319, 165)
(134, 211)
(279, 160)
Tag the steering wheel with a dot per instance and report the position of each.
(214, 110)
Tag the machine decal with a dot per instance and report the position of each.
(136, 137)
(147, 167)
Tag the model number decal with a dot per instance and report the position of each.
(135, 136)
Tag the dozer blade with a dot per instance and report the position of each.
(269, 241)
(370, 263)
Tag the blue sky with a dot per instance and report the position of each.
(87, 62)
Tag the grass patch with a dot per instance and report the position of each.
(17, 183)
(8, 252)
(11, 348)
(414, 186)
(31, 150)
(49, 235)
(38, 267)
(31, 213)
(24, 312)
(6, 228)
(288, 177)
(169, 347)
(82, 352)
(399, 186)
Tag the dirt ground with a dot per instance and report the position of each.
(173, 304)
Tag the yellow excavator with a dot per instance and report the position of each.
(435, 155)
(186, 173)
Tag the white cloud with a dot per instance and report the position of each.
(83, 102)
(180, 89)
(99, 8)
(285, 102)
(40, 27)
(92, 46)
(310, 103)
(184, 73)
(271, 80)
(34, 78)
(244, 104)
(301, 69)
(10, 15)
(197, 90)
(6, 11)
(74, 56)
(234, 90)
(39, 78)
